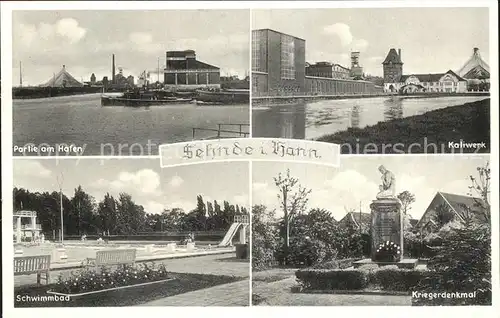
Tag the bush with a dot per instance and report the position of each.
(462, 264)
(262, 254)
(317, 279)
(304, 252)
(395, 279)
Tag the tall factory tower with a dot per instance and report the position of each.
(113, 71)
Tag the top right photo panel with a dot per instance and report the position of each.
(373, 80)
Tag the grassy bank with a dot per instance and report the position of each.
(427, 133)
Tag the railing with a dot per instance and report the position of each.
(220, 130)
(25, 213)
(29, 227)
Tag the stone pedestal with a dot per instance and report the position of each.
(59, 255)
(387, 223)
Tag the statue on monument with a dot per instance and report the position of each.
(388, 186)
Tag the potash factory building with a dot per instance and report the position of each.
(184, 72)
(279, 68)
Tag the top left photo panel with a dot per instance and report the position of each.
(121, 83)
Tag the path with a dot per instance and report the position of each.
(232, 294)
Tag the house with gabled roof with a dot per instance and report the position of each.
(357, 220)
(448, 207)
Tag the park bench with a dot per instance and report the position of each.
(26, 265)
(113, 257)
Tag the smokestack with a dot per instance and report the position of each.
(399, 53)
(113, 71)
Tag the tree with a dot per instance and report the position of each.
(293, 200)
(84, 209)
(264, 237)
(407, 199)
(107, 214)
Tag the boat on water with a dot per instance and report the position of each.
(222, 97)
(142, 99)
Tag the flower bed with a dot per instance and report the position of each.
(127, 296)
(87, 280)
(388, 252)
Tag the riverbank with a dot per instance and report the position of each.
(285, 100)
(431, 132)
(47, 92)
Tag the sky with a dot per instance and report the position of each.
(432, 40)
(85, 40)
(148, 184)
(355, 183)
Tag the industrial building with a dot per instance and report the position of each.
(328, 70)
(278, 63)
(279, 69)
(183, 71)
(62, 79)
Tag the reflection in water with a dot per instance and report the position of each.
(355, 116)
(316, 119)
(393, 109)
(288, 121)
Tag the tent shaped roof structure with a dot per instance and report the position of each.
(63, 79)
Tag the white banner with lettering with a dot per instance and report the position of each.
(249, 149)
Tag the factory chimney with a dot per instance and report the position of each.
(113, 71)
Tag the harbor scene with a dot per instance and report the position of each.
(81, 120)
(128, 97)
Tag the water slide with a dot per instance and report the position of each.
(228, 238)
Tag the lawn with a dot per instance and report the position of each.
(183, 283)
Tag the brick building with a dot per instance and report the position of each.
(184, 71)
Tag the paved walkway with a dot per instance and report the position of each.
(278, 293)
(232, 294)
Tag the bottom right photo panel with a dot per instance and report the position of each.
(377, 230)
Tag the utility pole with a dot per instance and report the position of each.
(158, 70)
(59, 182)
(20, 75)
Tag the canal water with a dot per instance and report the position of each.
(312, 120)
(80, 120)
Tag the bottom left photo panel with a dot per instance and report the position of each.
(125, 232)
